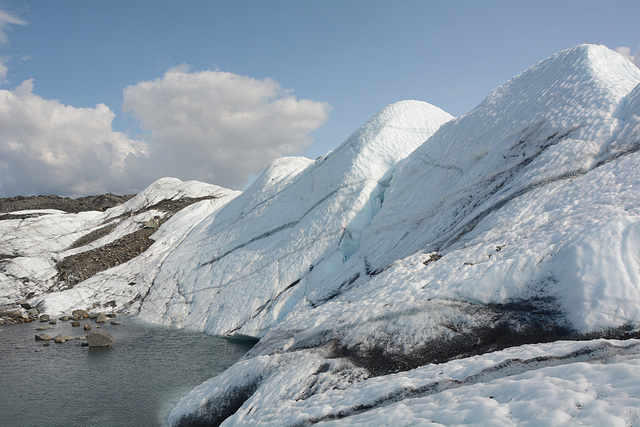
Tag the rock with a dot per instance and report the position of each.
(61, 338)
(111, 315)
(64, 318)
(152, 223)
(24, 304)
(45, 317)
(33, 311)
(53, 322)
(43, 337)
(99, 339)
(113, 322)
(102, 318)
(46, 344)
(87, 327)
(42, 328)
(75, 323)
(80, 314)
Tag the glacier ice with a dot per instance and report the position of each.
(517, 222)
(295, 226)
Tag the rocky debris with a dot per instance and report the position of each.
(64, 318)
(11, 317)
(80, 314)
(75, 323)
(89, 203)
(53, 322)
(113, 322)
(42, 328)
(101, 318)
(100, 338)
(43, 337)
(79, 267)
(45, 318)
(111, 314)
(87, 327)
(94, 235)
(33, 312)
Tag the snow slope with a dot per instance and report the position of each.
(518, 222)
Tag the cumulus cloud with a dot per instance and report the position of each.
(219, 127)
(211, 126)
(626, 52)
(50, 148)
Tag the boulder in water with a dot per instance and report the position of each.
(99, 339)
(43, 337)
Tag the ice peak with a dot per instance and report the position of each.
(587, 76)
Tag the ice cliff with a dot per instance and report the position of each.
(415, 272)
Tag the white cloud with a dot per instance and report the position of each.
(219, 127)
(626, 52)
(50, 148)
(7, 19)
(211, 126)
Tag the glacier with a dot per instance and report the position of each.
(429, 270)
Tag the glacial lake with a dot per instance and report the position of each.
(133, 383)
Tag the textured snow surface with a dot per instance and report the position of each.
(563, 383)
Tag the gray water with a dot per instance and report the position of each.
(133, 383)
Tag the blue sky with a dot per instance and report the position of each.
(336, 63)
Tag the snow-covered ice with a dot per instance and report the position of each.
(244, 270)
(517, 222)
